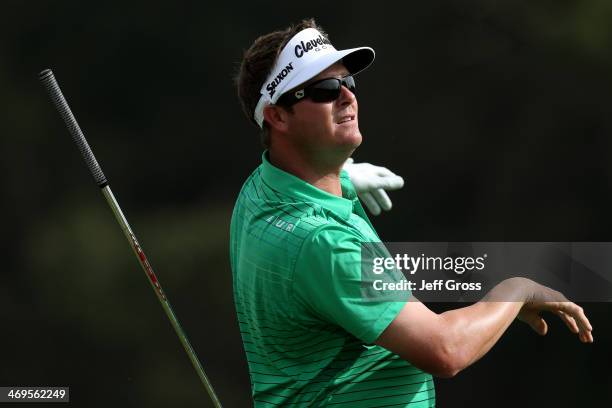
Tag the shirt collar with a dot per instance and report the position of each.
(301, 190)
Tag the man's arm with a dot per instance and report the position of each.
(444, 344)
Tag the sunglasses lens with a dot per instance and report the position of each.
(325, 91)
(328, 90)
(349, 82)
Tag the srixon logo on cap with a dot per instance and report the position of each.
(314, 44)
(271, 87)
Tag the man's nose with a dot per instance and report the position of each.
(346, 96)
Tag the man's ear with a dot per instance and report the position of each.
(276, 117)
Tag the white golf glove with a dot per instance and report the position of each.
(371, 182)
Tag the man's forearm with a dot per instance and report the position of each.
(470, 332)
(444, 344)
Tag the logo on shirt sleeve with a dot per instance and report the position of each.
(280, 223)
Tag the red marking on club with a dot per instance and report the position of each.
(147, 266)
(153, 277)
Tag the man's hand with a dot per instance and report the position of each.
(547, 299)
(371, 182)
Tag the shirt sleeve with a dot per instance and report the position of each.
(328, 280)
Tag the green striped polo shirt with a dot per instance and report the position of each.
(307, 330)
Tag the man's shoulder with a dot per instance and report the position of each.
(270, 231)
(261, 203)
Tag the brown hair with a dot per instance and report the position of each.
(256, 65)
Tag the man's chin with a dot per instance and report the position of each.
(349, 144)
(353, 139)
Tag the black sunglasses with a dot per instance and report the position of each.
(322, 91)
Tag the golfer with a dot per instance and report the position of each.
(310, 338)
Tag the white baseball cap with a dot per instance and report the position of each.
(306, 55)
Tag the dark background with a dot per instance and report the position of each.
(496, 113)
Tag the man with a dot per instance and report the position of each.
(310, 338)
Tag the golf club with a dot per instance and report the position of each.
(49, 82)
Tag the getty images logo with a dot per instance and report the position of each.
(271, 87)
(314, 44)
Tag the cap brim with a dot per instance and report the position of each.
(354, 59)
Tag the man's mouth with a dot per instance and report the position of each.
(345, 119)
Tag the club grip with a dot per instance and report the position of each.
(49, 82)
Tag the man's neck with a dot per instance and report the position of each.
(324, 176)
